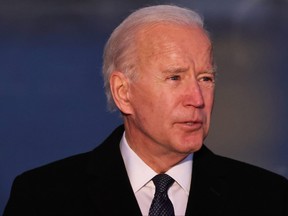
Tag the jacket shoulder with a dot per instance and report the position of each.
(244, 169)
(79, 164)
(236, 187)
(68, 166)
(237, 171)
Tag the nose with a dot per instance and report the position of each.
(193, 95)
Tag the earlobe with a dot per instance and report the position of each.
(119, 85)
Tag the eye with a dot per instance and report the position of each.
(207, 79)
(174, 77)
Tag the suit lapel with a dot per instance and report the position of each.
(209, 189)
(111, 192)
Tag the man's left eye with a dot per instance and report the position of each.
(207, 79)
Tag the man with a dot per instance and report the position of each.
(158, 71)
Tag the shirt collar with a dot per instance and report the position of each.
(140, 173)
(182, 173)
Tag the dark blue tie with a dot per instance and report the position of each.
(161, 204)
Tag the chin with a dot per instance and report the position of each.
(190, 147)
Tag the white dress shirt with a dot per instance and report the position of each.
(140, 175)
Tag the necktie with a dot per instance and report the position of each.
(161, 204)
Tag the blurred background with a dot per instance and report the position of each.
(52, 103)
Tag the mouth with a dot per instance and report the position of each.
(191, 125)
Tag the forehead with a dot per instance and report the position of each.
(166, 40)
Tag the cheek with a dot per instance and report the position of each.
(208, 101)
(143, 103)
(150, 100)
(166, 104)
(156, 109)
(208, 96)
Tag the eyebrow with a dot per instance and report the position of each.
(212, 70)
(175, 70)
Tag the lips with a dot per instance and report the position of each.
(191, 125)
(191, 122)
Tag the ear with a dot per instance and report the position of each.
(119, 85)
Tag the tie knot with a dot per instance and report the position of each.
(162, 182)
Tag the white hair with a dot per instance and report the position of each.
(120, 49)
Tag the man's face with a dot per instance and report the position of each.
(172, 98)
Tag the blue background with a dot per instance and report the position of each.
(52, 103)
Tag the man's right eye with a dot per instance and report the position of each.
(174, 77)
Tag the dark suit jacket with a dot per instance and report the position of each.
(96, 183)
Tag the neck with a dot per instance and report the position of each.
(157, 157)
(160, 164)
